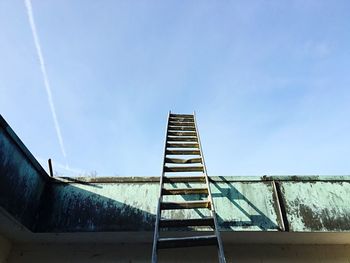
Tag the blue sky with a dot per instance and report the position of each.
(269, 80)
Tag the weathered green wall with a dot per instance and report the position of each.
(72, 207)
(305, 204)
(318, 205)
(126, 204)
(21, 179)
(44, 204)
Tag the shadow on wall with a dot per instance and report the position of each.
(235, 211)
(256, 218)
(69, 207)
(85, 207)
(41, 204)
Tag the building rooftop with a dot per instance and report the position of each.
(261, 209)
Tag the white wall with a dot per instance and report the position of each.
(58, 253)
(5, 247)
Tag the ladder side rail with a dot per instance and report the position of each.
(156, 226)
(212, 209)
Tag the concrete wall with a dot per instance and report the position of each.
(141, 253)
(5, 247)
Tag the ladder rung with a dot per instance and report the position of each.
(206, 221)
(179, 119)
(182, 115)
(183, 161)
(185, 205)
(178, 123)
(187, 241)
(182, 139)
(182, 152)
(184, 179)
(184, 134)
(184, 191)
(182, 145)
(183, 169)
(178, 128)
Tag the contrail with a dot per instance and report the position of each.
(45, 77)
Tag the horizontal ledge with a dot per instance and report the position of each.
(228, 236)
(155, 179)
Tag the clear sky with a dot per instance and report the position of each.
(269, 80)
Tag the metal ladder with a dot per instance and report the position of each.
(182, 138)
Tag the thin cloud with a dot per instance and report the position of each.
(28, 5)
(317, 49)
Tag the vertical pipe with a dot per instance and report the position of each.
(50, 167)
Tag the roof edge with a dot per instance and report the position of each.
(155, 179)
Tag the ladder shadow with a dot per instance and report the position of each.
(259, 219)
(192, 198)
(197, 212)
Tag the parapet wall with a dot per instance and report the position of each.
(60, 205)
(22, 179)
(295, 204)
